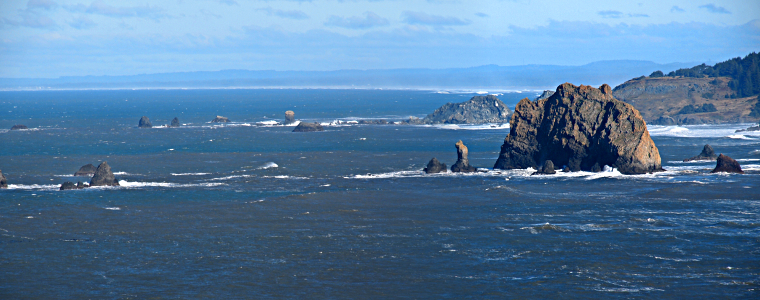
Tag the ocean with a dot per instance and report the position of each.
(239, 210)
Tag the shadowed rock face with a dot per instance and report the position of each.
(71, 186)
(3, 181)
(544, 95)
(308, 127)
(728, 165)
(435, 166)
(103, 176)
(175, 122)
(18, 127)
(86, 170)
(290, 117)
(478, 110)
(220, 119)
(462, 164)
(144, 123)
(547, 169)
(579, 127)
(707, 154)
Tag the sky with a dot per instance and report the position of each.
(52, 38)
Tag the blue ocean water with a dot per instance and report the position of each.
(245, 211)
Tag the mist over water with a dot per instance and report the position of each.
(239, 210)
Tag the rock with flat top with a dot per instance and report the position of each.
(290, 117)
(727, 165)
(103, 176)
(707, 154)
(435, 166)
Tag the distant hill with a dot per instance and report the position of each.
(723, 93)
(535, 77)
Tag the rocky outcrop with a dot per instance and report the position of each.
(707, 154)
(579, 127)
(290, 117)
(728, 165)
(3, 181)
(308, 127)
(71, 186)
(546, 94)
(478, 110)
(144, 123)
(175, 122)
(435, 166)
(103, 176)
(86, 170)
(463, 164)
(220, 119)
(373, 122)
(751, 128)
(19, 127)
(546, 169)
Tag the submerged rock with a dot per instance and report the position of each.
(579, 127)
(728, 165)
(290, 117)
(220, 119)
(478, 110)
(308, 127)
(103, 176)
(144, 123)
(435, 166)
(547, 169)
(18, 127)
(175, 122)
(71, 186)
(86, 170)
(374, 122)
(3, 181)
(463, 164)
(707, 154)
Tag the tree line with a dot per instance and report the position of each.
(744, 74)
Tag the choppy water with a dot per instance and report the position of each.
(245, 211)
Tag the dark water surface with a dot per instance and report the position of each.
(243, 211)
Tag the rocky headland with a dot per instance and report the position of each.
(308, 127)
(463, 164)
(144, 123)
(707, 154)
(435, 166)
(86, 170)
(727, 165)
(582, 128)
(103, 176)
(19, 127)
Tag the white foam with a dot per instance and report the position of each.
(42, 187)
(284, 177)
(112, 208)
(123, 173)
(127, 184)
(487, 126)
(712, 130)
(230, 177)
(739, 137)
(267, 166)
(189, 174)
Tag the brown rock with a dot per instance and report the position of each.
(579, 127)
(290, 117)
(103, 176)
(462, 164)
(728, 165)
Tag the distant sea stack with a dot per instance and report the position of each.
(86, 170)
(463, 164)
(220, 119)
(290, 117)
(175, 122)
(707, 154)
(544, 95)
(103, 176)
(308, 127)
(579, 127)
(3, 181)
(435, 166)
(19, 127)
(144, 123)
(478, 110)
(728, 165)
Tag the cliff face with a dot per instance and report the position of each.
(579, 127)
(662, 100)
(478, 110)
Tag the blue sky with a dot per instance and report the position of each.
(51, 38)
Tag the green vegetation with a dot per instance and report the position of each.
(744, 74)
(756, 109)
(691, 109)
(656, 74)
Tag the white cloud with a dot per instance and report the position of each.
(369, 20)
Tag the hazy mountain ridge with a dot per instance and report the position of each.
(487, 76)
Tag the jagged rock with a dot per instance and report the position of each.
(3, 181)
(86, 170)
(579, 127)
(290, 117)
(308, 127)
(707, 154)
(728, 165)
(596, 168)
(18, 127)
(547, 169)
(544, 95)
(374, 122)
(665, 120)
(68, 185)
(175, 122)
(435, 166)
(220, 119)
(144, 123)
(478, 110)
(81, 185)
(103, 176)
(463, 164)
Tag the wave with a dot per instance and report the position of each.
(267, 166)
(712, 130)
(112, 208)
(285, 177)
(189, 174)
(230, 177)
(487, 126)
(128, 184)
(40, 187)
(125, 174)
(739, 137)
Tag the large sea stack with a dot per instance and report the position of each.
(290, 117)
(478, 110)
(463, 164)
(728, 165)
(144, 123)
(86, 170)
(707, 154)
(579, 127)
(3, 181)
(175, 122)
(103, 176)
(308, 127)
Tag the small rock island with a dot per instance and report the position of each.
(144, 123)
(707, 154)
(478, 110)
(19, 127)
(86, 170)
(220, 119)
(308, 127)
